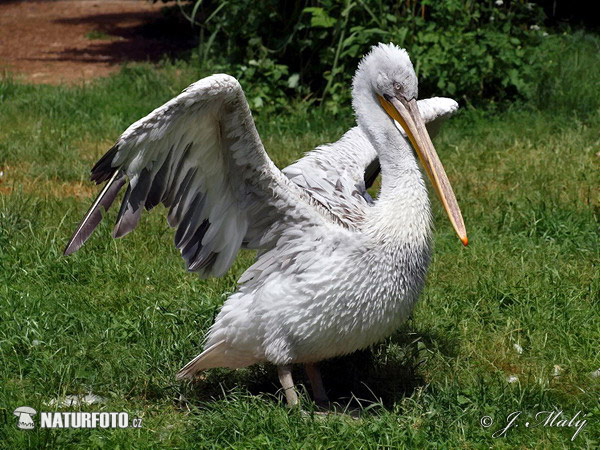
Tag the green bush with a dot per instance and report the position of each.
(471, 50)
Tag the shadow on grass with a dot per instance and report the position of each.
(132, 36)
(383, 375)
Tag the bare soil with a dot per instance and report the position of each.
(70, 41)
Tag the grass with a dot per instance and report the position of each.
(120, 317)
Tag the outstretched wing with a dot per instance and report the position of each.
(200, 155)
(338, 175)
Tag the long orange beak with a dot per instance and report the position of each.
(407, 114)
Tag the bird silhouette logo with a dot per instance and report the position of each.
(25, 415)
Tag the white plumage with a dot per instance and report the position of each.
(336, 271)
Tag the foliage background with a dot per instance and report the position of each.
(470, 50)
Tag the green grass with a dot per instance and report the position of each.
(120, 317)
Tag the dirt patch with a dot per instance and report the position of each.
(53, 188)
(17, 178)
(73, 41)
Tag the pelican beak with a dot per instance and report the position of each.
(406, 113)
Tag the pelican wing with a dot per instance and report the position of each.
(338, 175)
(200, 155)
(435, 111)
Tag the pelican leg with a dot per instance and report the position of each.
(287, 383)
(316, 383)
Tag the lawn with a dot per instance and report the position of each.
(508, 324)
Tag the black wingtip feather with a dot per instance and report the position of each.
(131, 208)
(193, 246)
(103, 169)
(204, 264)
(159, 184)
(175, 211)
(94, 215)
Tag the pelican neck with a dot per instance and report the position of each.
(402, 208)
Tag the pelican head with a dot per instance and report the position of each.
(386, 81)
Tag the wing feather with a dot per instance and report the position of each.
(94, 215)
(201, 157)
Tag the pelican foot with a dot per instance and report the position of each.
(332, 409)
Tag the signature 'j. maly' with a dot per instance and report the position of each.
(336, 271)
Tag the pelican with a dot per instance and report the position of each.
(336, 271)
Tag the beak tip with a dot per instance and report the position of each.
(464, 240)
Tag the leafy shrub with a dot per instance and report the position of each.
(471, 50)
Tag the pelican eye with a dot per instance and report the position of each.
(397, 86)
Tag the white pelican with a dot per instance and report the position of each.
(336, 271)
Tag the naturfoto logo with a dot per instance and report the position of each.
(25, 417)
(80, 419)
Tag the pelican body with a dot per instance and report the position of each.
(336, 271)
